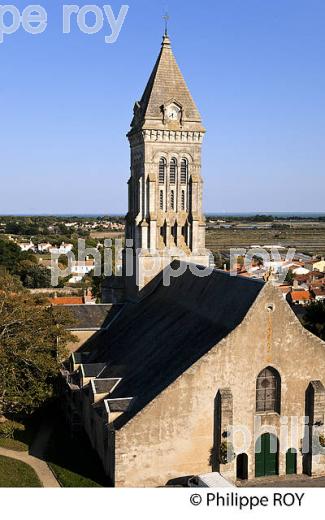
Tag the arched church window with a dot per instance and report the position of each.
(172, 200)
(173, 170)
(161, 199)
(183, 200)
(184, 171)
(268, 391)
(162, 170)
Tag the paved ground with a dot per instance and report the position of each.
(35, 456)
(285, 481)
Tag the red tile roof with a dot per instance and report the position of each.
(300, 295)
(67, 300)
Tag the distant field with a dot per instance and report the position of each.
(106, 234)
(306, 238)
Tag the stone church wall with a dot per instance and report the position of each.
(175, 434)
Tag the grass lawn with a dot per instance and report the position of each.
(13, 444)
(23, 436)
(14, 473)
(73, 461)
(69, 478)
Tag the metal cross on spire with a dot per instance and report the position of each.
(166, 17)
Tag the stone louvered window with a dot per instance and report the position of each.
(161, 199)
(172, 200)
(183, 200)
(184, 171)
(173, 170)
(162, 170)
(268, 391)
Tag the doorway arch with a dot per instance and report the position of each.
(266, 455)
(291, 461)
(242, 466)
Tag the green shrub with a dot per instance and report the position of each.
(322, 440)
(227, 453)
(8, 429)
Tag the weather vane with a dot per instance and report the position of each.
(166, 18)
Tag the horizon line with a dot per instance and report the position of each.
(208, 213)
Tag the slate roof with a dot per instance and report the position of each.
(89, 317)
(80, 357)
(165, 84)
(151, 343)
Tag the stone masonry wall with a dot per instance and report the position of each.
(173, 436)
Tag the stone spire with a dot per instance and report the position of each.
(165, 84)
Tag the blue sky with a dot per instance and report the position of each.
(255, 68)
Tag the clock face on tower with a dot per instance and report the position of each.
(173, 112)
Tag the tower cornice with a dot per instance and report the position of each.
(164, 136)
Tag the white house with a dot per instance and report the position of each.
(44, 247)
(82, 267)
(26, 246)
(79, 268)
(300, 270)
(62, 250)
(319, 266)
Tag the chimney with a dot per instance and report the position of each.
(88, 295)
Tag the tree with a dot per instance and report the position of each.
(33, 337)
(34, 276)
(10, 253)
(258, 260)
(314, 319)
(289, 277)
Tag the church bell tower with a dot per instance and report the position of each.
(165, 219)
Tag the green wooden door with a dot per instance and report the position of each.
(291, 462)
(259, 457)
(266, 459)
(271, 455)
